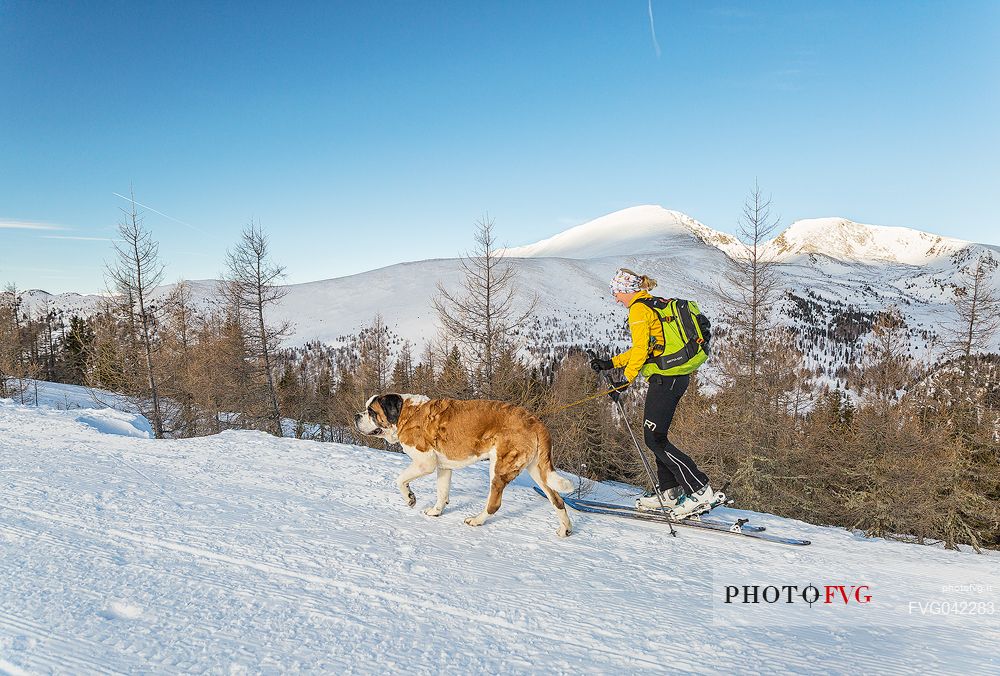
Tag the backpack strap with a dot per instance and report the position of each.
(657, 305)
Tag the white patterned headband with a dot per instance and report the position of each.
(625, 282)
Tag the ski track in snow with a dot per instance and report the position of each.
(295, 556)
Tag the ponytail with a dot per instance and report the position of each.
(647, 283)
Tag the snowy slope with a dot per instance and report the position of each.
(635, 231)
(68, 397)
(835, 260)
(243, 553)
(846, 240)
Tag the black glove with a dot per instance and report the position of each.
(599, 364)
(616, 393)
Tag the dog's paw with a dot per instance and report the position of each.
(432, 511)
(564, 532)
(473, 521)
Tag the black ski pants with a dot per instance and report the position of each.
(673, 466)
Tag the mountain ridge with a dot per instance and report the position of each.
(688, 258)
(641, 227)
(613, 234)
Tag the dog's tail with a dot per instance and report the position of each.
(545, 466)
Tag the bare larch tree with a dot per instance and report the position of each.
(756, 357)
(977, 308)
(970, 474)
(482, 317)
(251, 283)
(750, 287)
(133, 275)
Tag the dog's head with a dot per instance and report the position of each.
(380, 417)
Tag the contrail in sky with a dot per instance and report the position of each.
(129, 199)
(652, 28)
(82, 239)
(26, 225)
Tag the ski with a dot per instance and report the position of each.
(748, 527)
(661, 516)
(736, 528)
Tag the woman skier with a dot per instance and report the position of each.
(683, 488)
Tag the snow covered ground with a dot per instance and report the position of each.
(63, 396)
(244, 553)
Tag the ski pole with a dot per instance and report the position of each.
(638, 449)
(645, 463)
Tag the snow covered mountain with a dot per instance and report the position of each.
(245, 553)
(637, 231)
(828, 266)
(846, 240)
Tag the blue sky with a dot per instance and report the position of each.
(364, 134)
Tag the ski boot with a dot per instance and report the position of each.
(671, 497)
(699, 502)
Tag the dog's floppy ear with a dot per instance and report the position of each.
(392, 405)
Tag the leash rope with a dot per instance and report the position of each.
(549, 411)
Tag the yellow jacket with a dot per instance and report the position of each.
(646, 329)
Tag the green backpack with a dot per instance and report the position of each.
(686, 332)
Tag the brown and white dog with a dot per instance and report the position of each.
(448, 434)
